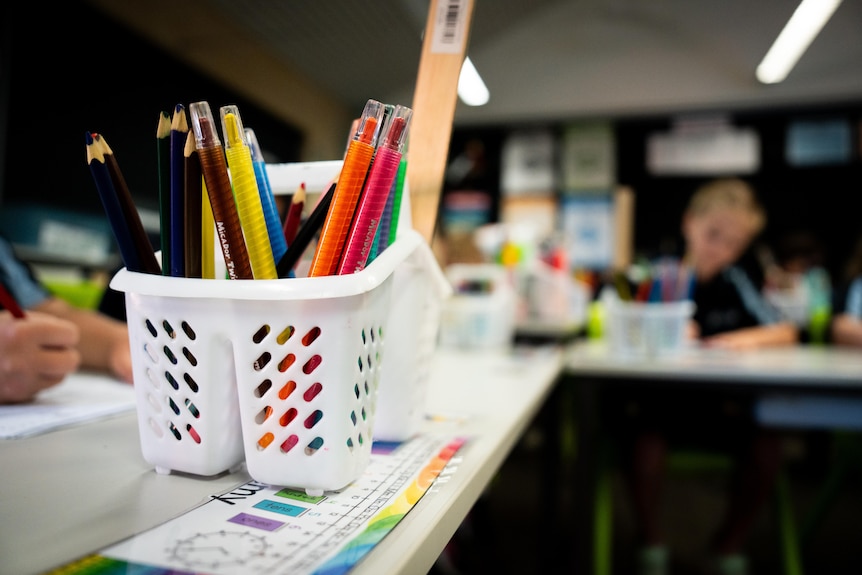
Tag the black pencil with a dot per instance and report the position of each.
(304, 235)
(149, 263)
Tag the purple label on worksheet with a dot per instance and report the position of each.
(255, 521)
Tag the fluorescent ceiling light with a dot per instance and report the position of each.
(471, 88)
(805, 23)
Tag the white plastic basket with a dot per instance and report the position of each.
(418, 292)
(283, 372)
(648, 329)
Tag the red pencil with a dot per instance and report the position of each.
(294, 214)
(9, 303)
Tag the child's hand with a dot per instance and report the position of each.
(736, 340)
(36, 352)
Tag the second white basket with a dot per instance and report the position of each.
(418, 293)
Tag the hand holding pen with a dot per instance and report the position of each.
(40, 350)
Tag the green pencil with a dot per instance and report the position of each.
(163, 141)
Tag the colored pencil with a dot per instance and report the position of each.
(220, 193)
(179, 133)
(305, 234)
(193, 211)
(208, 249)
(111, 204)
(10, 303)
(141, 239)
(360, 152)
(294, 214)
(163, 149)
(395, 215)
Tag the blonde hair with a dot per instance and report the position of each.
(728, 193)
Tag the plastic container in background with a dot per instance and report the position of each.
(658, 329)
(282, 373)
(483, 308)
(418, 294)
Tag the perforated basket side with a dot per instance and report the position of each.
(188, 415)
(308, 374)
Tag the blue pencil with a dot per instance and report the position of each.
(267, 199)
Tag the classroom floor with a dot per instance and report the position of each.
(502, 533)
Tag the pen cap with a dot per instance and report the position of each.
(370, 122)
(251, 140)
(203, 125)
(394, 133)
(231, 126)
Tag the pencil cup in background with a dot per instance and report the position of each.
(483, 309)
(640, 329)
(284, 373)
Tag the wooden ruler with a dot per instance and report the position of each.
(443, 51)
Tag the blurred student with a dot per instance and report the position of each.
(846, 323)
(722, 219)
(54, 338)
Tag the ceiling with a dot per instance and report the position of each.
(547, 60)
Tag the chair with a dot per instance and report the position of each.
(683, 462)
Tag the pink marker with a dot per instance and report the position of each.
(372, 202)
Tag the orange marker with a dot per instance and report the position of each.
(333, 235)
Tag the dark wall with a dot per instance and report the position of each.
(76, 71)
(820, 200)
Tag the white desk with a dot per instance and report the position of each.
(74, 491)
(806, 366)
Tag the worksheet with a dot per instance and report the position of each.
(80, 398)
(259, 529)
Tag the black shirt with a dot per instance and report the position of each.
(731, 301)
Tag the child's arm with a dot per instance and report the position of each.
(784, 333)
(104, 341)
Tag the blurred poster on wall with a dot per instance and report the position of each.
(587, 156)
(528, 163)
(587, 225)
(539, 213)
